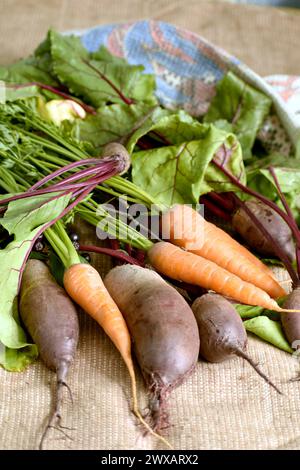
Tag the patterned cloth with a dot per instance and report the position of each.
(187, 68)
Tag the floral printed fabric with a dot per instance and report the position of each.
(187, 68)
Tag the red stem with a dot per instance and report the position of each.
(105, 170)
(288, 211)
(114, 243)
(140, 256)
(215, 209)
(128, 249)
(282, 197)
(161, 137)
(109, 82)
(110, 252)
(80, 197)
(144, 144)
(27, 194)
(86, 107)
(278, 250)
(298, 259)
(60, 171)
(221, 199)
(265, 200)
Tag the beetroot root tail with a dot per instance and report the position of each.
(158, 409)
(159, 415)
(247, 358)
(55, 416)
(295, 379)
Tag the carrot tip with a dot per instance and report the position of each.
(136, 407)
(149, 429)
(288, 310)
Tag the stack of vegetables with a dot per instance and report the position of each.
(79, 130)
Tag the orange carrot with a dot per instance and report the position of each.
(213, 229)
(84, 285)
(188, 267)
(188, 229)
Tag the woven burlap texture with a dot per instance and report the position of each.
(221, 406)
(266, 39)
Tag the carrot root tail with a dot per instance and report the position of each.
(288, 310)
(136, 411)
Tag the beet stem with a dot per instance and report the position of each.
(278, 250)
(226, 204)
(110, 252)
(162, 138)
(281, 195)
(217, 211)
(89, 161)
(247, 358)
(55, 91)
(264, 199)
(288, 211)
(109, 82)
(144, 144)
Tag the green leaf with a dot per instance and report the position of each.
(22, 116)
(57, 268)
(104, 55)
(178, 127)
(242, 106)
(42, 55)
(36, 68)
(13, 93)
(269, 330)
(181, 173)
(24, 218)
(272, 262)
(112, 123)
(224, 125)
(16, 360)
(105, 80)
(38, 255)
(288, 178)
(248, 311)
(31, 69)
(148, 125)
(251, 311)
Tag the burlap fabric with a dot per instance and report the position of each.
(225, 406)
(266, 39)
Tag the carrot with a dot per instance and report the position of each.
(84, 285)
(187, 228)
(211, 228)
(188, 267)
(182, 213)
